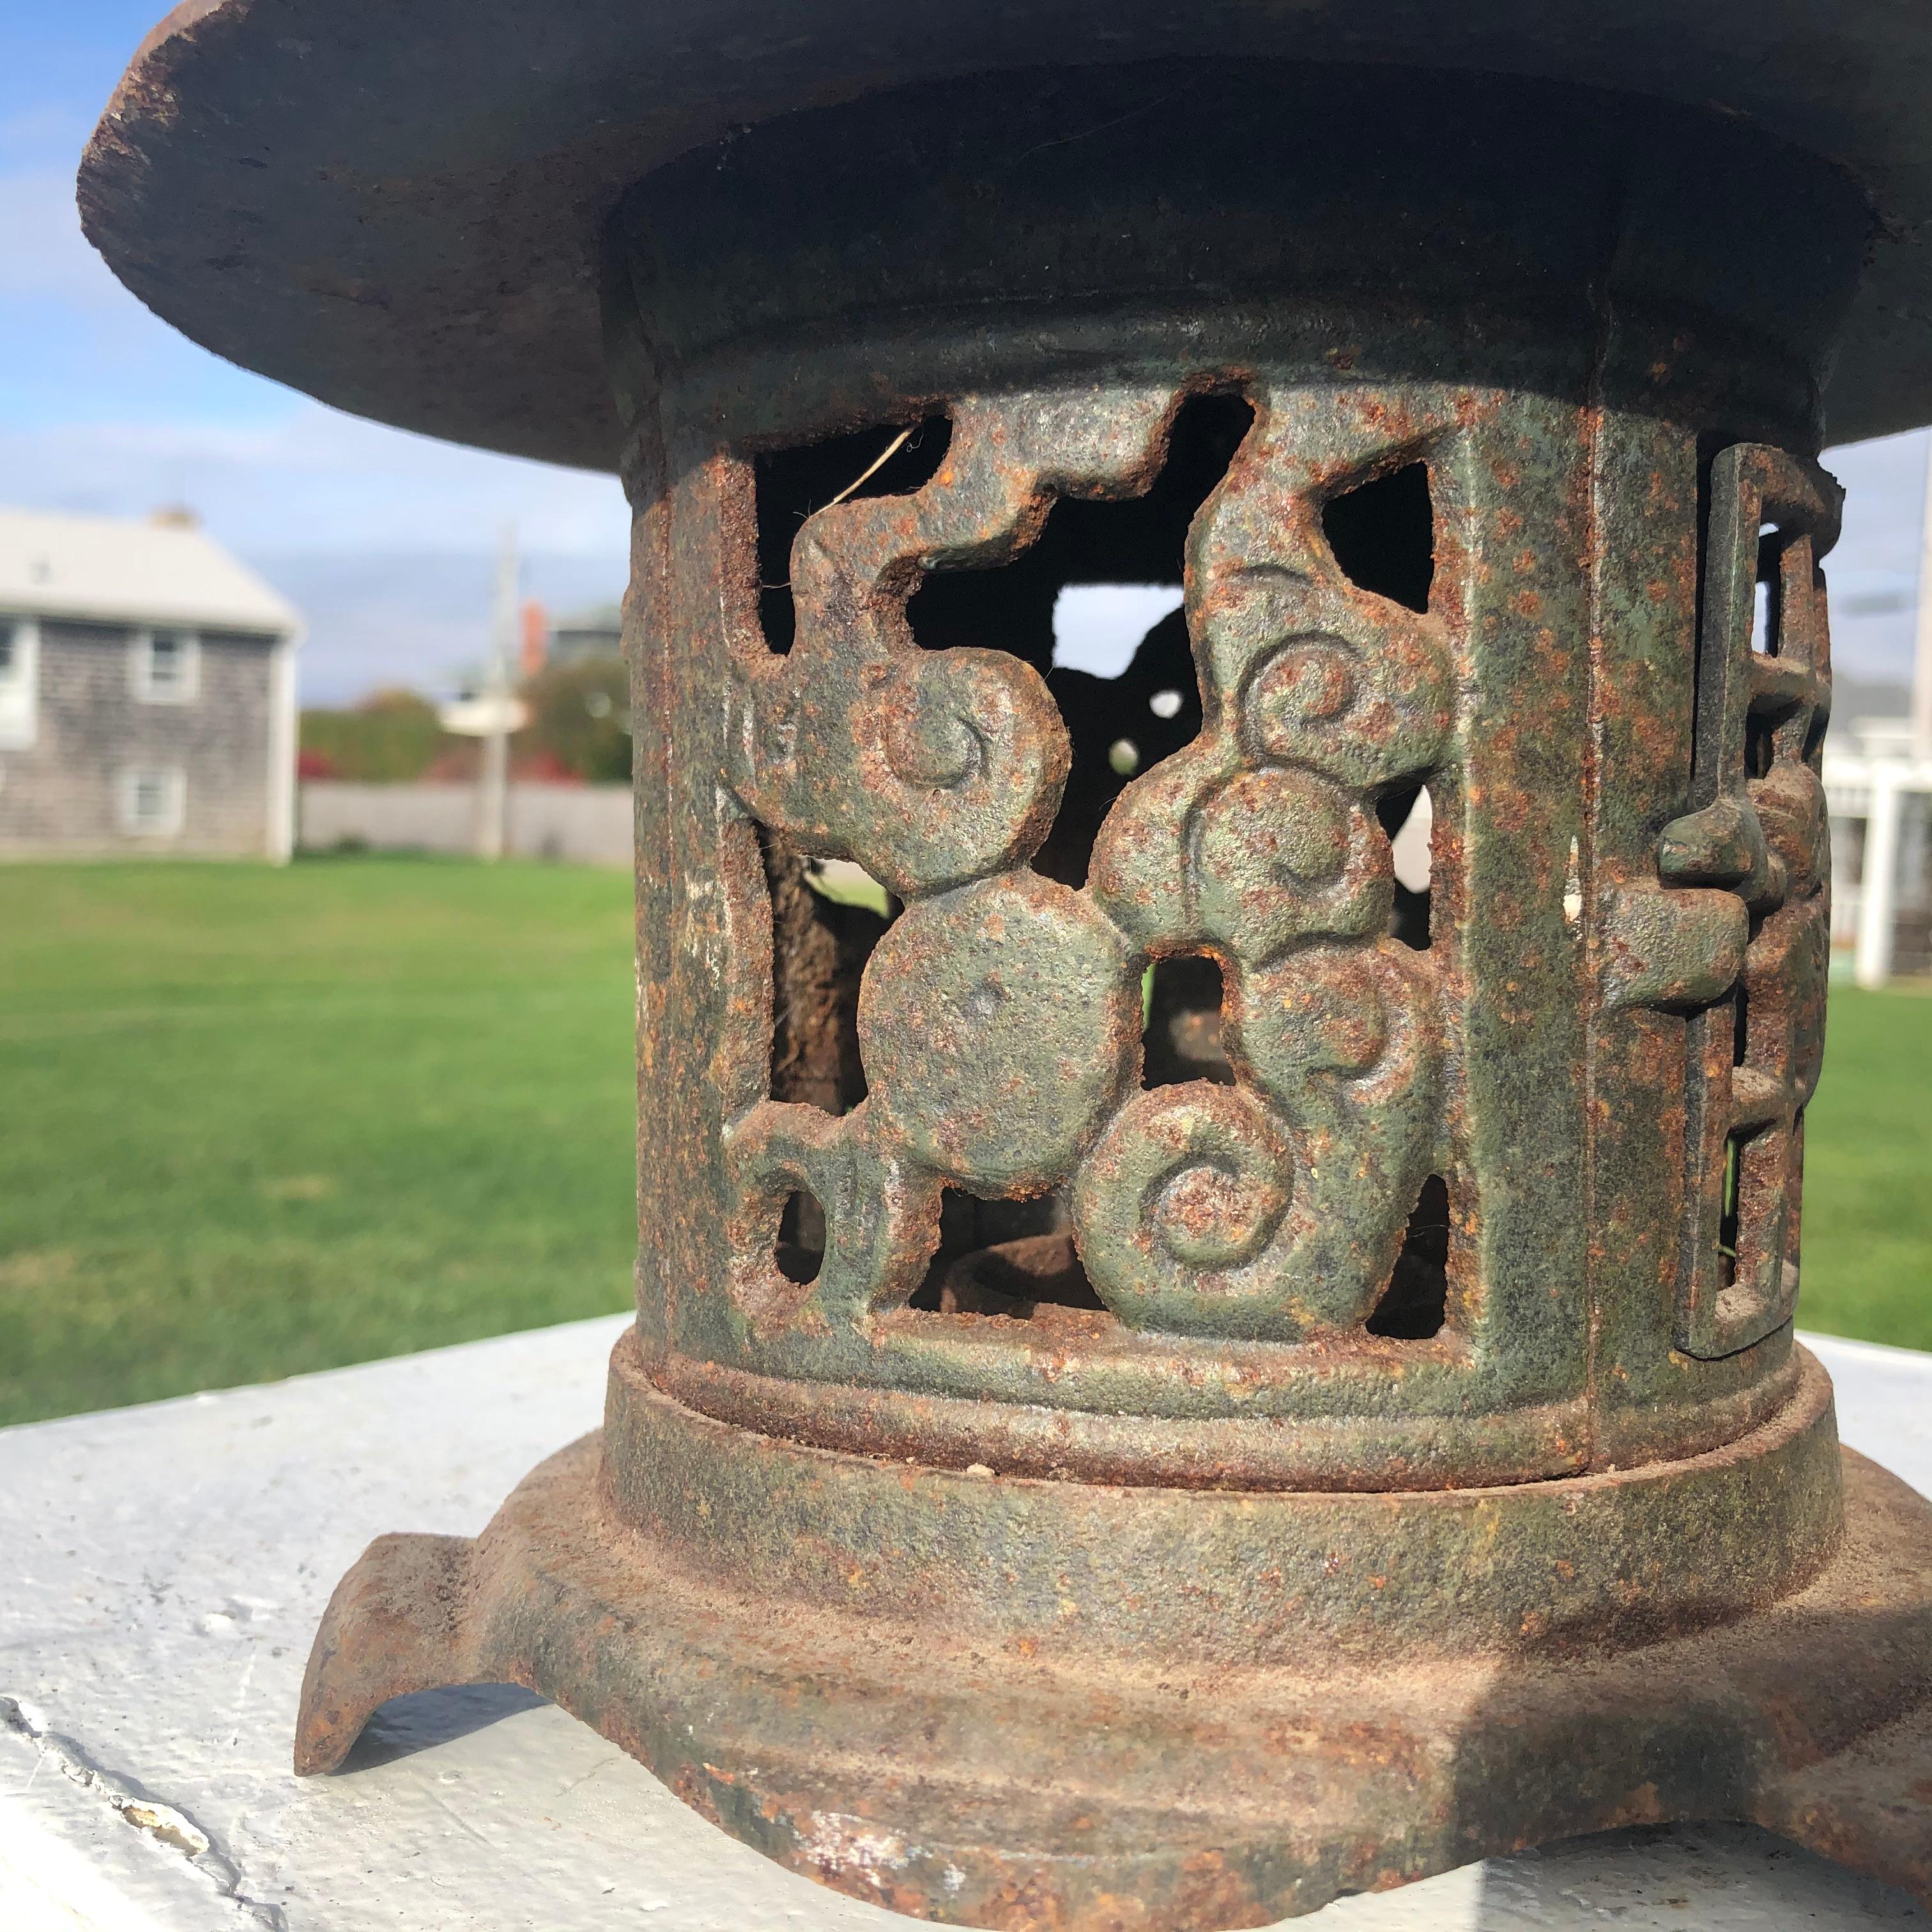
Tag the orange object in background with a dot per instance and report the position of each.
(535, 636)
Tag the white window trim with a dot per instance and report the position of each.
(141, 668)
(283, 733)
(20, 688)
(175, 814)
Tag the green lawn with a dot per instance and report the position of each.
(1868, 1172)
(256, 1122)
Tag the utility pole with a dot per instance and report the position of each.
(493, 796)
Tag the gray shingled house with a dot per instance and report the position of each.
(147, 693)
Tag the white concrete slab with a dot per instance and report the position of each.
(161, 1571)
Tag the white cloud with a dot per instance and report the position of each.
(383, 540)
(312, 481)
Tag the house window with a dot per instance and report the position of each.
(167, 666)
(20, 682)
(153, 800)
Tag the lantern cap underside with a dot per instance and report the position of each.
(401, 212)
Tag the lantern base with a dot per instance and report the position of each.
(1014, 1785)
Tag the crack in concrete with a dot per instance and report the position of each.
(167, 1826)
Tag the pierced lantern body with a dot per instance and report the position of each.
(1179, 1372)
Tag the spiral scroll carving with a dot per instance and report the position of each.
(928, 768)
(999, 1018)
(1260, 842)
(1186, 1196)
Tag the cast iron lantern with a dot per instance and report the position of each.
(1173, 1377)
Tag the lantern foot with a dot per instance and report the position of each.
(932, 1762)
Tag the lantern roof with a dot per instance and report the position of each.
(401, 210)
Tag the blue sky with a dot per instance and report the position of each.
(386, 539)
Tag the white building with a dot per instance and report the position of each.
(1880, 796)
(147, 693)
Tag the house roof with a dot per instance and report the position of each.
(161, 572)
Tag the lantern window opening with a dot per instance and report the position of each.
(799, 1252)
(1727, 1215)
(789, 485)
(1415, 1306)
(1004, 1259)
(1406, 813)
(1737, 1204)
(1183, 1016)
(827, 916)
(1382, 534)
(1767, 596)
